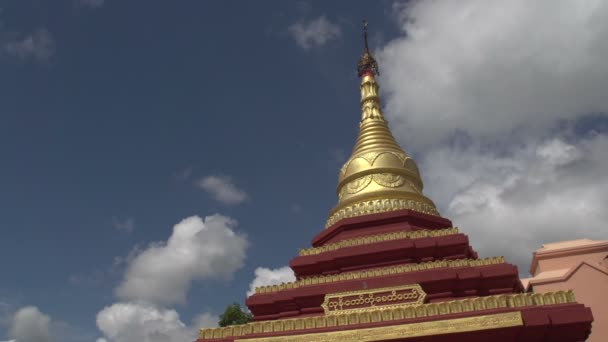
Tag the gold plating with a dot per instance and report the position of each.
(358, 184)
(379, 272)
(336, 303)
(371, 157)
(388, 180)
(390, 314)
(374, 206)
(379, 176)
(366, 240)
(448, 326)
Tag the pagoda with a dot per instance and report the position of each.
(389, 267)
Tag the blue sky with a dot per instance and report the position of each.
(119, 119)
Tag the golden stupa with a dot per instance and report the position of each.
(379, 176)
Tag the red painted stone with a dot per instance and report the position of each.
(563, 322)
(378, 224)
(383, 254)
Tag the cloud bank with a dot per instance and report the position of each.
(493, 67)
(132, 322)
(161, 275)
(491, 96)
(30, 325)
(198, 249)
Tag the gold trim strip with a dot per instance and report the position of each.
(448, 326)
(367, 240)
(389, 314)
(378, 272)
(379, 206)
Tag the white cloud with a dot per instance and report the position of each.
(315, 33)
(487, 93)
(136, 322)
(38, 45)
(162, 274)
(30, 325)
(222, 189)
(488, 67)
(126, 225)
(205, 320)
(266, 276)
(510, 203)
(198, 249)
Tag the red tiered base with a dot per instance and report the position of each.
(403, 276)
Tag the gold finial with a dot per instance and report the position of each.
(379, 176)
(367, 63)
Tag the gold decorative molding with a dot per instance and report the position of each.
(380, 206)
(414, 187)
(371, 157)
(448, 326)
(357, 184)
(386, 179)
(366, 300)
(371, 239)
(389, 180)
(390, 314)
(379, 272)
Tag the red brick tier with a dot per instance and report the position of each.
(378, 224)
(550, 323)
(384, 253)
(440, 284)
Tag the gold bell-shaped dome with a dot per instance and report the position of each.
(379, 176)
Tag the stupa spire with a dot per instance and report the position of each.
(367, 63)
(379, 176)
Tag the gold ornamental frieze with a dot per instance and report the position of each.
(447, 326)
(389, 314)
(358, 184)
(379, 272)
(376, 206)
(370, 158)
(377, 238)
(389, 180)
(364, 300)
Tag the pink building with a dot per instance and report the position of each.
(580, 265)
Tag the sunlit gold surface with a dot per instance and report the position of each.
(379, 176)
(379, 272)
(371, 299)
(448, 326)
(389, 314)
(369, 239)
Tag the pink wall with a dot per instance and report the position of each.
(580, 265)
